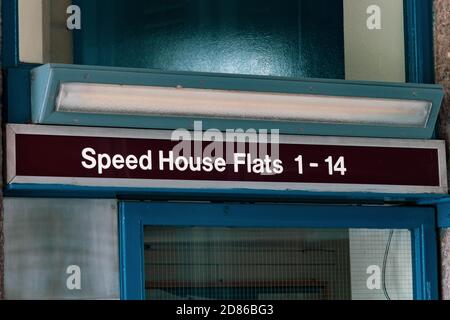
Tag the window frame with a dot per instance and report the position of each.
(133, 216)
(419, 48)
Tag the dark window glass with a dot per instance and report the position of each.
(340, 39)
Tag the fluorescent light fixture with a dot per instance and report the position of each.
(228, 104)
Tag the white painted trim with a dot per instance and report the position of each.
(10, 154)
(31, 31)
(43, 36)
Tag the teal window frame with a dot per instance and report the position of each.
(134, 216)
(418, 24)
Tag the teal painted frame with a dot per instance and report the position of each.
(443, 209)
(133, 216)
(418, 21)
(46, 80)
(246, 195)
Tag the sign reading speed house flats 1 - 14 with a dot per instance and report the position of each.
(129, 158)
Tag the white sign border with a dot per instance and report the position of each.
(12, 178)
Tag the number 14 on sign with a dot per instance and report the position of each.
(334, 166)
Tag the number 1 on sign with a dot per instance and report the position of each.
(339, 166)
(299, 160)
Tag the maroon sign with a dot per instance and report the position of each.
(137, 158)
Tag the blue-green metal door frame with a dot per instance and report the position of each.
(135, 215)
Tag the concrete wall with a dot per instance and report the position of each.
(43, 36)
(45, 239)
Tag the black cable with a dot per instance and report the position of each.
(383, 274)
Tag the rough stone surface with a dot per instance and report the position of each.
(445, 268)
(442, 61)
(442, 71)
(442, 40)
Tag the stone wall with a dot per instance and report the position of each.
(442, 71)
(442, 59)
